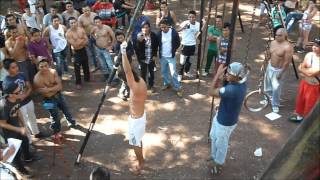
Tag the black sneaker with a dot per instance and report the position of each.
(32, 158)
(25, 172)
(301, 50)
(41, 135)
(74, 126)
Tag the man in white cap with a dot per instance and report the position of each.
(225, 120)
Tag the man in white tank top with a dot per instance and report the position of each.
(55, 35)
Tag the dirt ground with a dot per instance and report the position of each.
(175, 142)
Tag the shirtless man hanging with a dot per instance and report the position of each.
(86, 21)
(105, 40)
(137, 118)
(78, 39)
(17, 48)
(281, 53)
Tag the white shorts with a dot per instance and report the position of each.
(136, 129)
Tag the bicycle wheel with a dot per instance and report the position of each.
(256, 101)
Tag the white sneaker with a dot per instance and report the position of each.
(188, 74)
(179, 78)
(275, 109)
(204, 74)
(155, 69)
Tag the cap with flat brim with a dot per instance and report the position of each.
(10, 88)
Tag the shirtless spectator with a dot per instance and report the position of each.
(17, 48)
(78, 39)
(48, 84)
(47, 19)
(281, 53)
(309, 88)
(105, 40)
(38, 47)
(137, 118)
(56, 34)
(29, 20)
(11, 20)
(86, 21)
(69, 12)
(165, 13)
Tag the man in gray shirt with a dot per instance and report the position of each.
(47, 18)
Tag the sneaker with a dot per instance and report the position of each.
(275, 109)
(41, 135)
(94, 69)
(74, 126)
(188, 74)
(151, 89)
(301, 51)
(25, 172)
(32, 158)
(180, 92)
(179, 78)
(204, 74)
(155, 69)
(165, 87)
(295, 118)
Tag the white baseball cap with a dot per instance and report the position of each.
(238, 70)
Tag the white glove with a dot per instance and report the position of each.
(123, 47)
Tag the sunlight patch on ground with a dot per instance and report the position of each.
(266, 129)
(112, 124)
(154, 139)
(198, 96)
(83, 109)
(75, 132)
(97, 91)
(115, 100)
(69, 93)
(169, 106)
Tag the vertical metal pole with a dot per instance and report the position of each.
(200, 42)
(235, 8)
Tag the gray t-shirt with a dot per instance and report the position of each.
(47, 19)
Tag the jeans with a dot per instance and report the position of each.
(272, 86)
(147, 70)
(81, 59)
(169, 64)
(62, 105)
(220, 135)
(91, 52)
(105, 60)
(61, 64)
(292, 18)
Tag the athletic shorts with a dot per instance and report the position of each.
(188, 50)
(136, 129)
